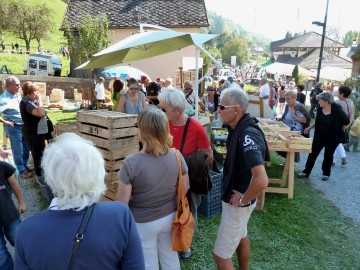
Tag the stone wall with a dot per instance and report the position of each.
(65, 83)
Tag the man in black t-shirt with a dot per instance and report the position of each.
(313, 101)
(9, 215)
(244, 178)
(152, 90)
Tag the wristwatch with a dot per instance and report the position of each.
(240, 201)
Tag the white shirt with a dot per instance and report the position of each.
(265, 91)
(100, 91)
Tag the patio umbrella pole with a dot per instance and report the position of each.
(197, 55)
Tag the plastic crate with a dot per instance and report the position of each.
(216, 179)
(210, 205)
(219, 157)
(218, 139)
(45, 189)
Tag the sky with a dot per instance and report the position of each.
(273, 18)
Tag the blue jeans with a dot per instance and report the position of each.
(6, 261)
(19, 147)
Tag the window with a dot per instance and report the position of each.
(42, 65)
(33, 63)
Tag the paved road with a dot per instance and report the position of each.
(343, 186)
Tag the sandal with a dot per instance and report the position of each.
(303, 175)
(325, 178)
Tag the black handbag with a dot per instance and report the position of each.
(50, 135)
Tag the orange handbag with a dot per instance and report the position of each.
(183, 223)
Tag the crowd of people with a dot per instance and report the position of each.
(138, 232)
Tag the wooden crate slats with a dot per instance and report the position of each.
(114, 143)
(116, 154)
(108, 119)
(112, 186)
(105, 132)
(114, 165)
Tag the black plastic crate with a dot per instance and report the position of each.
(210, 205)
(216, 179)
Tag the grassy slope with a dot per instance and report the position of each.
(15, 62)
(307, 232)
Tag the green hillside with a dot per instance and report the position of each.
(15, 62)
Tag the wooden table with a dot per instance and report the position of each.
(287, 174)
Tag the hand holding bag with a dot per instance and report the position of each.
(183, 223)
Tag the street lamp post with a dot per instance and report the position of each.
(322, 41)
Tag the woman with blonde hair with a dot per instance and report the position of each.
(74, 170)
(148, 183)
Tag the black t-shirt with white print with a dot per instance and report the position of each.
(250, 153)
(8, 211)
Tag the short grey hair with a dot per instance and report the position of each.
(237, 97)
(264, 80)
(10, 80)
(325, 96)
(74, 170)
(189, 83)
(174, 97)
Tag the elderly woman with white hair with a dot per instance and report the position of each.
(329, 123)
(74, 169)
(190, 138)
(148, 183)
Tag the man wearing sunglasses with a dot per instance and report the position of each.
(13, 125)
(244, 178)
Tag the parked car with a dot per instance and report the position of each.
(254, 82)
(42, 65)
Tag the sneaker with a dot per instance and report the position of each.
(325, 178)
(343, 161)
(303, 175)
(186, 255)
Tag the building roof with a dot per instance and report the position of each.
(311, 40)
(274, 45)
(310, 60)
(130, 13)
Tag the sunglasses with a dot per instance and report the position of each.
(133, 89)
(222, 107)
(210, 90)
(163, 109)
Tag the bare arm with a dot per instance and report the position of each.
(40, 110)
(17, 191)
(143, 100)
(202, 103)
(121, 105)
(258, 183)
(124, 192)
(5, 122)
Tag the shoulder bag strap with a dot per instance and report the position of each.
(184, 135)
(180, 191)
(80, 235)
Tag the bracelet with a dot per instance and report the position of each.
(240, 200)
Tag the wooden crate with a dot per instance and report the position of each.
(287, 133)
(61, 128)
(276, 125)
(276, 141)
(108, 129)
(112, 176)
(117, 154)
(260, 202)
(299, 143)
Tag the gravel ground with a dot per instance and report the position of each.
(343, 185)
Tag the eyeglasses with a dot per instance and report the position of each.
(163, 109)
(222, 107)
(133, 89)
(210, 90)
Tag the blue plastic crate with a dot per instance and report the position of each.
(216, 179)
(210, 205)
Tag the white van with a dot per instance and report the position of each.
(42, 65)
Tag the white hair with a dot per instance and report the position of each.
(237, 97)
(74, 169)
(174, 97)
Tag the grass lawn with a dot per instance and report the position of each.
(56, 40)
(307, 232)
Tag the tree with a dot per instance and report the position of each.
(30, 22)
(288, 35)
(222, 39)
(266, 55)
(295, 74)
(349, 37)
(237, 47)
(4, 11)
(90, 37)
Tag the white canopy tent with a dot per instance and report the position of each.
(335, 73)
(286, 69)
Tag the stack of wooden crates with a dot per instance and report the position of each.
(116, 137)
